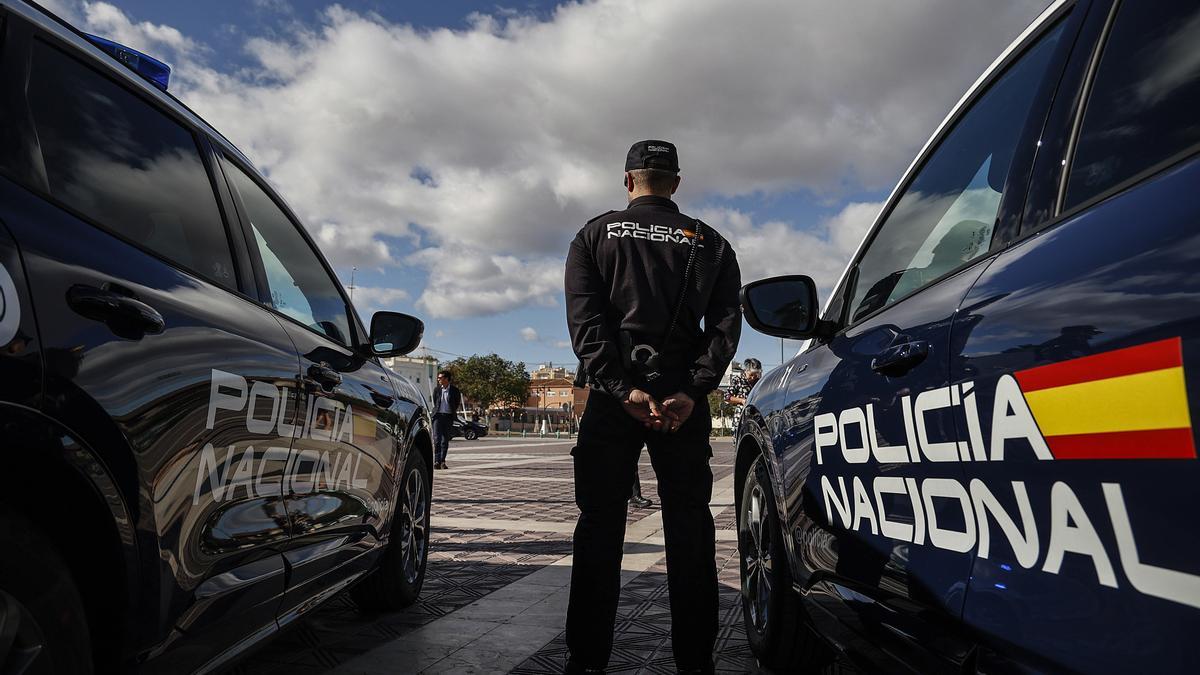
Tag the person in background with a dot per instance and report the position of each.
(447, 399)
(638, 499)
(740, 386)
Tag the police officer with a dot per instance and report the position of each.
(638, 284)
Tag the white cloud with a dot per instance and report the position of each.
(530, 334)
(374, 298)
(483, 150)
(468, 281)
(775, 248)
(67, 10)
(144, 36)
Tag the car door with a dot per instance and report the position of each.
(348, 449)
(152, 350)
(1080, 341)
(872, 462)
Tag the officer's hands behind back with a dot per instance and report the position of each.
(678, 407)
(644, 408)
(666, 416)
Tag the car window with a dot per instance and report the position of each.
(1143, 106)
(946, 215)
(300, 287)
(122, 163)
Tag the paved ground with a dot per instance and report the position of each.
(495, 594)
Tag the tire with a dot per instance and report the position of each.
(43, 626)
(397, 582)
(771, 609)
(470, 434)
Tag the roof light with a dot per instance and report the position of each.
(150, 68)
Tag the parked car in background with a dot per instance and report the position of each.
(200, 442)
(984, 458)
(468, 429)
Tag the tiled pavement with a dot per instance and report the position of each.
(642, 643)
(495, 590)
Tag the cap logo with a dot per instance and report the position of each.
(658, 148)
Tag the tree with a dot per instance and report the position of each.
(718, 406)
(490, 380)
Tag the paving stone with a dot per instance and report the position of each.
(486, 623)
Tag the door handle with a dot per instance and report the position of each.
(382, 400)
(123, 313)
(899, 359)
(323, 375)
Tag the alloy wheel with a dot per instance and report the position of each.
(757, 565)
(22, 641)
(414, 525)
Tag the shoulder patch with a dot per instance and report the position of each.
(592, 220)
(717, 236)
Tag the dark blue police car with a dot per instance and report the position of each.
(984, 459)
(200, 444)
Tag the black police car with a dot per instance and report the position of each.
(200, 444)
(984, 459)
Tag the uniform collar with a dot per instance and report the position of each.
(654, 200)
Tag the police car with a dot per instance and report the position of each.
(984, 458)
(200, 443)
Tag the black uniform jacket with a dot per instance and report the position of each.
(625, 271)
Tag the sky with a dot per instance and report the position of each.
(443, 153)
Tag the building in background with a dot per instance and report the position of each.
(548, 371)
(554, 406)
(420, 370)
(558, 393)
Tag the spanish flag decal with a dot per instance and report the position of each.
(1125, 404)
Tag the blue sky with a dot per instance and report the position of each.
(449, 150)
(223, 25)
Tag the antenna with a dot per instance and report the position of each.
(353, 271)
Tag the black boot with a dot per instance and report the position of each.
(574, 668)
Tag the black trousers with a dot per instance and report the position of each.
(605, 464)
(442, 424)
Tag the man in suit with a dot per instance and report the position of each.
(447, 399)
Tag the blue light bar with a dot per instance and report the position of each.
(157, 72)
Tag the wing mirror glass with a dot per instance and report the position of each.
(395, 334)
(783, 307)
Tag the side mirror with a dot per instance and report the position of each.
(783, 307)
(395, 334)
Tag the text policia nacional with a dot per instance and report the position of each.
(859, 506)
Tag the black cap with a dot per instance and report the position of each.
(659, 155)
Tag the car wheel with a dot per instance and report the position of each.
(43, 627)
(396, 583)
(471, 434)
(770, 608)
